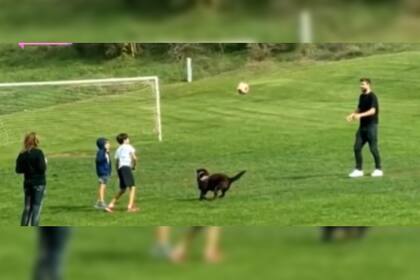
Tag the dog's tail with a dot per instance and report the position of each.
(237, 176)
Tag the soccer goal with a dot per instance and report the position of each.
(127, 96)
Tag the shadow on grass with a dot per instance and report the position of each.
(195, 199)
(113, 255)
(73, 208)
(313, 176)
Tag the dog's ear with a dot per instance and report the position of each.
(201, 170)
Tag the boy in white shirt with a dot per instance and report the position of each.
(126, 161)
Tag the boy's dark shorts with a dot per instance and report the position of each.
(126, 177)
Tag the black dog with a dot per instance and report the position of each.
(330, 233)
(216, 182)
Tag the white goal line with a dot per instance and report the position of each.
(71, 82)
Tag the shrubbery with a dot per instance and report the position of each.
(252, 51)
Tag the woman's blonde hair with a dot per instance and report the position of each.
(30, 142)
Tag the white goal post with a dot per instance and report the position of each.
(154, 80)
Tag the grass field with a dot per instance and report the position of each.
(272, 253)
(289, 133)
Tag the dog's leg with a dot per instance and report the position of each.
(216, 194)
(223, 194)
(203, 195)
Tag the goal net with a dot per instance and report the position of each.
(76, 109)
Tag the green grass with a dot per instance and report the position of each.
(289, 133)
(286, 253)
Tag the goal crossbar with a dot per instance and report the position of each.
(72, 82)
(153, 79)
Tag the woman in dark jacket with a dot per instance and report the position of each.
(32, 164)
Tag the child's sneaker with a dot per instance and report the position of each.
(161, 251)
(100, 205)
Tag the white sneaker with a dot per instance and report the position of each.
(100, 205)
(356, 173)
(377, 173)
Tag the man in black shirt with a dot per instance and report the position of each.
(368, 113)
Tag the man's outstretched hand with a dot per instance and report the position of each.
(353, 117)
(350, 117)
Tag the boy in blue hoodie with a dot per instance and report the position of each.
(103, 170)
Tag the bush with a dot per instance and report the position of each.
(109, 50)
(262, 51)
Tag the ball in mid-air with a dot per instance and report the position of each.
(243, 88)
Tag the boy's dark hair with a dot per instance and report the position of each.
(121, 138)
(367, 80)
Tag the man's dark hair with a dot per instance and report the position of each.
(121, 138)
(367, 80)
